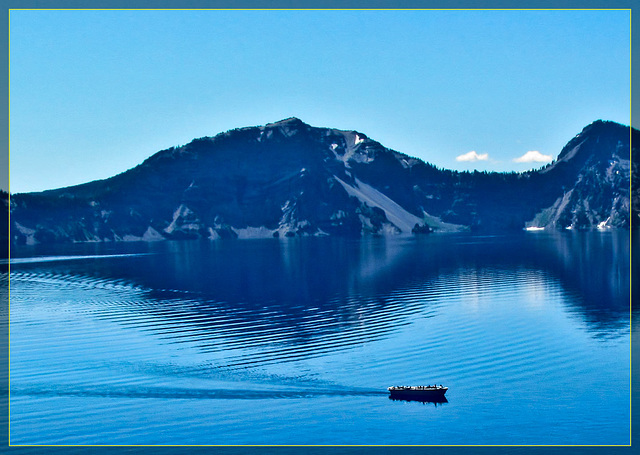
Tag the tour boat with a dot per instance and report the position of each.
(420, 392)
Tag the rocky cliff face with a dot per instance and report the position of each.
(288, 178)
(590, 179)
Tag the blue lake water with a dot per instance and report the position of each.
(294, 341)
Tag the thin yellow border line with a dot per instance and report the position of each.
(630, 10)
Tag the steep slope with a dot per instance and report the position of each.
(288, 178)
(590, 180)
(285, 178)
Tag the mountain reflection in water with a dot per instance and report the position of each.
(315, 329)
(300, 289)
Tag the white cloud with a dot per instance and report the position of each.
(473, 156)
(533, 156)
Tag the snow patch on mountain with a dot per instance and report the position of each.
(353, 155)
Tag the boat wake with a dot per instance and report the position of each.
(40, 259)
(192, 394)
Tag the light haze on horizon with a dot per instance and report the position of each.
(94, 93)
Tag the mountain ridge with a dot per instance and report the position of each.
(289, 178)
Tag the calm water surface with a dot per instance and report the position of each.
(294, 341)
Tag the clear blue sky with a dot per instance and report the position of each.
(94, 93)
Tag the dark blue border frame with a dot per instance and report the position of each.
(6, 5)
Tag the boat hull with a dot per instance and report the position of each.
(435, 394)
(418, 393)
